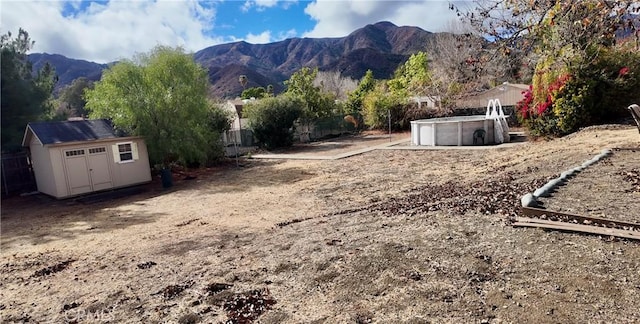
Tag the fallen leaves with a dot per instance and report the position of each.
(632, 176)
(247, 307)
(146, 265)
(497, 195)
(172, 291)
(53, 269)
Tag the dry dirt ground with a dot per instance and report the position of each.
(389, 236)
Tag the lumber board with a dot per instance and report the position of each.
(531, 211)
(540, 223)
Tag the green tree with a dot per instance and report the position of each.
(219, 119)
(25, 97)
(412, 78)
(579, 57)
(563, 99)
(272, 119)
(356, 97)
(161, 95)
(584, 75)
(379, 103)
(316, 104)
(254, 92)
(72, 96)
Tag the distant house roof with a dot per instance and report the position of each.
(58, 132)
(508, 93)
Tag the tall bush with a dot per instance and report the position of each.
(271, 119)
(356, 97)
(161, 95)
(316, 103)
(377, 105)
(584, 91)
(219, 122)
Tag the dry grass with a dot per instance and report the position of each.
(340, 254)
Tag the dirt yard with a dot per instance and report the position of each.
(389, 236)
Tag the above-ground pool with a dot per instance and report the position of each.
(459, 130)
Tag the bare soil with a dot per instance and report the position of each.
(389, 236)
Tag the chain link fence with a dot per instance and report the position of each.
(327, 127)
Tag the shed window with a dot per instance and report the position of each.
(96, 150)
(74, 153)
(125, 152)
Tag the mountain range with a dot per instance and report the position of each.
(380, 47)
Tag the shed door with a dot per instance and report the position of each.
(88, 170)
(99, 168)
(77, 171)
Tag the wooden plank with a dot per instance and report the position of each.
(531, 211)
(540, 223)
(546, 221)
(589, 229)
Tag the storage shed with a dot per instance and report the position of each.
(70, 158)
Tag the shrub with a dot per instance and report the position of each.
(614, 80)
(412, 111)
(219, 122)
(582, 93)
(376, 107)
(378, 103)
(271, 119)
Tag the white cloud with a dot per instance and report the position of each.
(266, 3)
(105, 32)
(339, 18)
(265, 37)
(287, 34)
(286, 4)
(246, 6)
(262, 38)
(262, 5)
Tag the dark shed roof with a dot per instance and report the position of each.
(71, 131)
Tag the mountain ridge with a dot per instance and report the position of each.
(381, 47)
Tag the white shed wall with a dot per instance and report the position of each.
(42, 168)
(59, 171)
(53, 173)
(130, 173)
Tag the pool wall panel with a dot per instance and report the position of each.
(451, 131)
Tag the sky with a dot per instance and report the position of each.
(106, 31)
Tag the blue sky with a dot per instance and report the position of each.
(105, 31)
